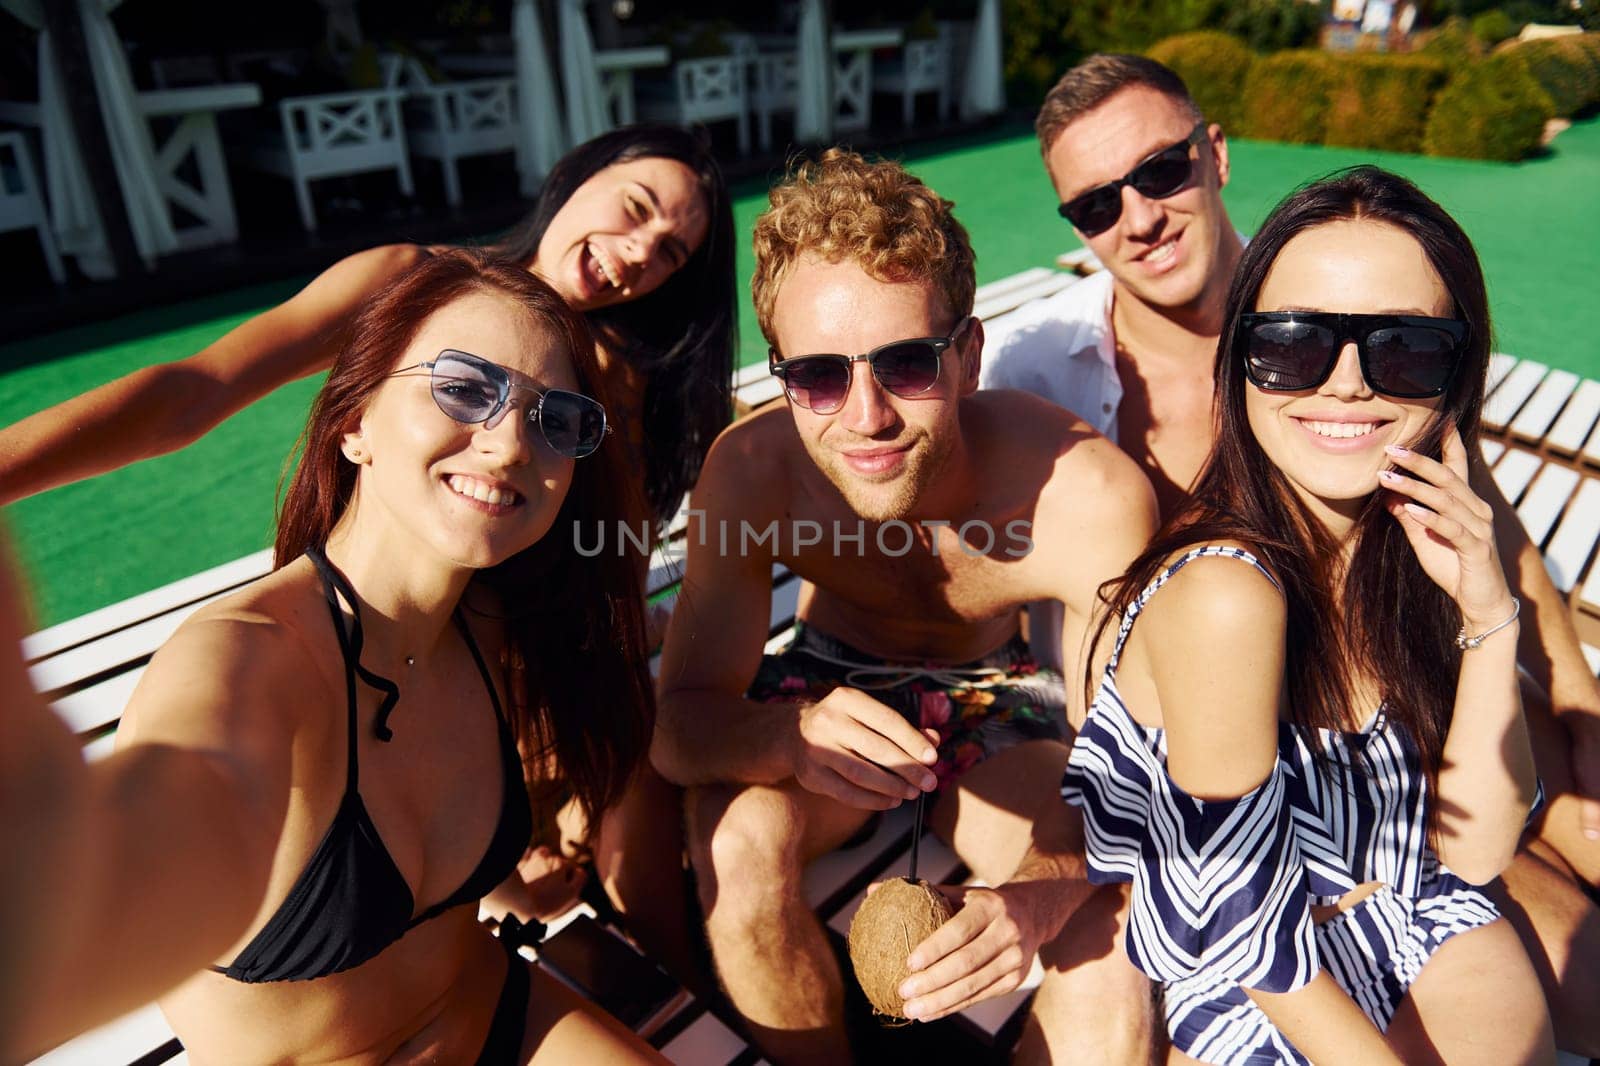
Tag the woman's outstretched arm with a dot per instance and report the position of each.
(159, 409)
(125, 876)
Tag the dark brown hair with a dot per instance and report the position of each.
(1097, 79)
(1394, 623)
(575, 669)
(683, 334)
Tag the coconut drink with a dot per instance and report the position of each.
(896, 917)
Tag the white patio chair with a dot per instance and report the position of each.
(22, 202)
(450, 120)
(711, 89)
(337, 134)
(923, 66)
(771, 78)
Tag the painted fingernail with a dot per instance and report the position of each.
(927, 782)
(1395, 449)
(928, 755)
(1388, 475)
(1417, 508)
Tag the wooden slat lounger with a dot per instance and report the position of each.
(1542, 439)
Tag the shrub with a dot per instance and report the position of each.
(1286, 96)
(1493, 26)
(1562, 70)
(1382, 101)
(1491, 110)
(1454, 42)
(1214, 66)
(1271, 25)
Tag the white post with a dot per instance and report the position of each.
(586, 109)
(984, 91)
(539, 137)
(814, 105)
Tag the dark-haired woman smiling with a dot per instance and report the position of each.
(633, 228)
(1303, 830)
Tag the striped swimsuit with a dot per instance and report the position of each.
(1222, 890)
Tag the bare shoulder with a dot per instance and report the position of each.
(1024, 425)
(1216, 600)
(1086, 485)
(240, 671)
(748, 467)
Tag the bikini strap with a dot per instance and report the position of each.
(483, 668)
(334, 586)
(1217, 550)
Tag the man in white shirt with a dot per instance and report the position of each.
(1139, 173)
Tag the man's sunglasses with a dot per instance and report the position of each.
(905, 368)
(1158, 176)
(1406, 356)
(474, 391)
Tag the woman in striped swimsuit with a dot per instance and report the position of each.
(1310, 747)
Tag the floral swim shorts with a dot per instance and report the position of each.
(977, 708)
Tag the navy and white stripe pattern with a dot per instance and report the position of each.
(1222, 890)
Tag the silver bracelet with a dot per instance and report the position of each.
(1466, 643)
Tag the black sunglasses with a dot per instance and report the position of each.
(1406, 356)
(474, 391)
(905, 368)
(1158, 176)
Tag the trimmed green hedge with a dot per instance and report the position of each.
(1438, 100)
(1454, 41)
(1382, 101)
(1493, 26)
(1286, 96)
(1213, 65)
(1563, 67)
(1491, 110)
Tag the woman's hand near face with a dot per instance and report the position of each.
(1451, 529)
(1486, 778)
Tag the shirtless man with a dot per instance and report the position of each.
(1132, 351)
(922, 516)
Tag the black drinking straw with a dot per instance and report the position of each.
(916, 833)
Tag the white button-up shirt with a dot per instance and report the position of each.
(1060, 348)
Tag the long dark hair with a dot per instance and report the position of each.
(581, 697)
(1394, 624)
(682, 335)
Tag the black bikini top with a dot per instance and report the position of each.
(350, 902)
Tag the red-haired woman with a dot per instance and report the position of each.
(633, 229)
(319, 777)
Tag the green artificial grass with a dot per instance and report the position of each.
(1536, 225)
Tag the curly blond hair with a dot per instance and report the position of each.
(873, 214)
